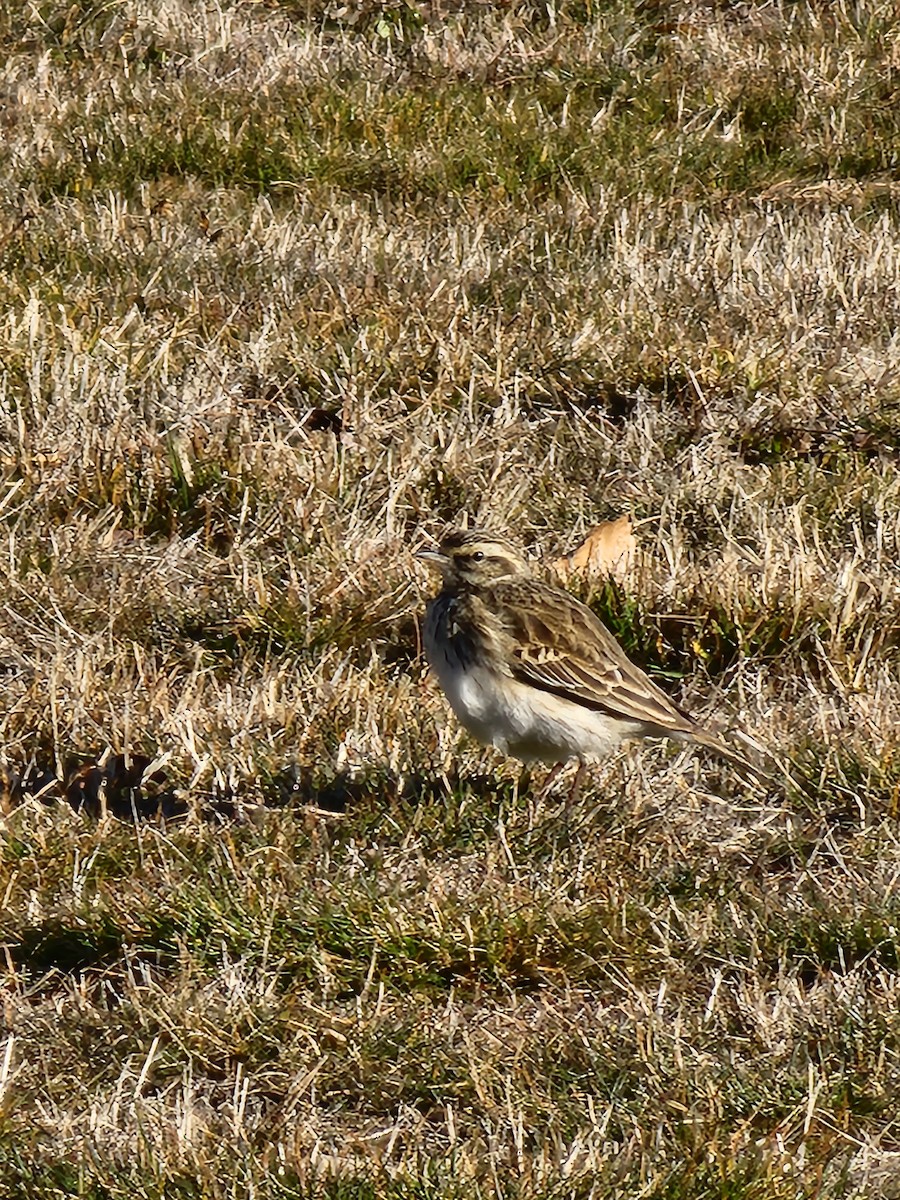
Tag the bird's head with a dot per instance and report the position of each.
(471, 557)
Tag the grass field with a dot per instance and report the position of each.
(287, 288)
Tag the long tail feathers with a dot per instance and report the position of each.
(771, 773)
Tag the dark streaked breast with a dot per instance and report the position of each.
(447, 638)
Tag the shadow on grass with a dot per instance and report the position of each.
(134, 788)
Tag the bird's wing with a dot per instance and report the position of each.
(557, 644)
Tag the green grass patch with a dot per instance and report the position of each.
(523, 138)
(671, 645)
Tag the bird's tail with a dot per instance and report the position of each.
(764, 766)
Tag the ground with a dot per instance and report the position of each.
(287, 289)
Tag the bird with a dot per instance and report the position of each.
(531, 670)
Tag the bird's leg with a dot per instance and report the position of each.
(522, 787)
(537, 803)
(573, 794)
(575, 790)
(551, 776)
(521, 784)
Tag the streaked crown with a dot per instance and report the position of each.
(475, 556)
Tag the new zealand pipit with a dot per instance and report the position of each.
(531, 670)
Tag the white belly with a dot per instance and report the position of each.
(528, 723)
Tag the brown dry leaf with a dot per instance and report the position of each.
(608, 549)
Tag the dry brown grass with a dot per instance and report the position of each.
(285, 290)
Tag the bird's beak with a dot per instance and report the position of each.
(433, 558)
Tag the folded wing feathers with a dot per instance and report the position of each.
(608, 690)
(559, 660)
(575, 657)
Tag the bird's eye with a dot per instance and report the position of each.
(478, 556)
